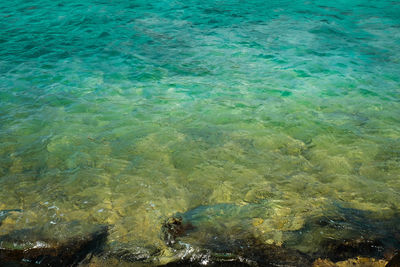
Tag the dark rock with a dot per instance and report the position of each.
(253, 252)
(241, 251)
(345, 249)
(201, 237)
(63, 244)
(212, 264)
(342, 233)
(173, 228)
(395, 261)
(222, 234)
(130, 252)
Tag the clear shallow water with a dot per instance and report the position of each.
(127, 113)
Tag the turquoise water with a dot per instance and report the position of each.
(128, 112)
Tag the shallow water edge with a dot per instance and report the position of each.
(192, 238)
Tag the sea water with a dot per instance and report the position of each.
(126, 113)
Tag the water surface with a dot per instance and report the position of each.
(126, 113)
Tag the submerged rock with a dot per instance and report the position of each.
(64, 244)
(395, 261)
(228, 250)
(5, 213)
(138, 253)
(173, 228)
(342, 233)
(344, 249)
(359, 262)
(224, 233)
(207, 235)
